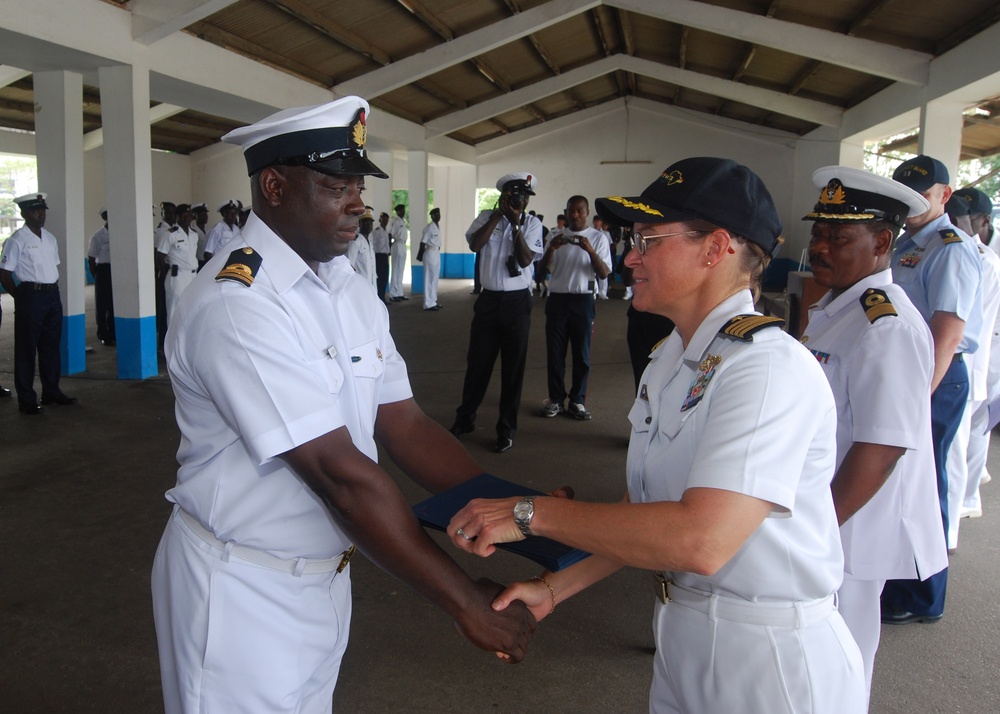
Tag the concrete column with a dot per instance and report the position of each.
(378, 192)
(59, 146)
(941, 133)
(455, 194)
(128, 177)
(416, 172)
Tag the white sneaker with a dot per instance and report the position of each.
(551, 409)
(986, 477)
(970, 512)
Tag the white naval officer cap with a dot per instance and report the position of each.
(521, 180)
(103, 213)
(199, 207)
(367, 215)
(849, 195)
(329, 138)
(230, 203)
(31, 201)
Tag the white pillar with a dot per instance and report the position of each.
(59, 148)
(128, 177)
(941, 133)
(416, 172)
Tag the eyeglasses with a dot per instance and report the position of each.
(642, 242)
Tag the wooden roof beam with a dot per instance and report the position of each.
(325, 26)
(152, 20)
(867, 56)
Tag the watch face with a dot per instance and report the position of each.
(523, 510)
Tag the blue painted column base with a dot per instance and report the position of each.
(458, 265)
(417, 279)
(136, 342)
(73, 344)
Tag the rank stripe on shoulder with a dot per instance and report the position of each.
(949, 236)
(743, 327)
(876, 304)
(241, 267)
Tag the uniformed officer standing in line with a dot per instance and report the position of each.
(200, 211)
(168, 213)
(359, 252)
(942, 275)
(382, 248)
(430, 242)
(225, 230)
(32, 254)
(99, 259)
(397, 233)
(176, 253)
(876, 351)
(981, 226)
(575, 256)
(508, 239)
(286, 378)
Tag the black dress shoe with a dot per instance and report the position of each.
(60, 399)
(459, 428)
(434, 308)
(902, 617)
(29, 409)
(4, 393)
(504, 443)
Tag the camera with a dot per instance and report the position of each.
(513, 269)
(517, 200)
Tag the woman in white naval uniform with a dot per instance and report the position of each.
(729, 468)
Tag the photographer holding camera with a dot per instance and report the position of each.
(576, 256)
(508, 240)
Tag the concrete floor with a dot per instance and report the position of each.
(82, 509)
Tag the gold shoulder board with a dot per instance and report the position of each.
(949, 236)
(743, 327)
(876, 304)
(241, 267)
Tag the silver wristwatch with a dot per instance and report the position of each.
(524, 511)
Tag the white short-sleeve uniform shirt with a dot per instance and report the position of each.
(259, 370)
(755, 418)
(570, 268)
(32, 258)
(99, 247)
(179, 246)
(493, 257)
(880, 373)
(220, 235)
(362, 257)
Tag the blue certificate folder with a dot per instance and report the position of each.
(437, 511)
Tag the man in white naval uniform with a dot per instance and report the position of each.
(285, 377)
(360, 252)
(176, 253)
(397, 234)
(225, 230)
(431, 242)
(99, 260)
(383, 249)
(876, 351)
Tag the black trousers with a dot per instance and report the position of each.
(500, 326)
(38, 319)
(381, 274)
(104, 303)
(645, 330)
(569, 322)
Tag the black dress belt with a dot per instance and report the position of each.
(39, 286)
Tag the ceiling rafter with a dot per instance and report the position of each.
(310, 16)
(153, 20)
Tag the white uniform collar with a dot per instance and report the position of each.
(832, 305)
(740, 303)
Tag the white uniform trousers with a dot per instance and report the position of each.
(398, 258)
(979, 450)
(432, 270)
(859, 605)
(174, 286)
(710, 664)
(958, 473)
(240, 638)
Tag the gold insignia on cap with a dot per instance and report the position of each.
(359, 131)
(673, 177)
(833, 193)
(876, 304)
(638, 206)
(743, 327)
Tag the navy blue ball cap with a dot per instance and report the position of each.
(921, 172)
(719, 191)
(978, 201)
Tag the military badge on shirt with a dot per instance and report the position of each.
(706, 370)
(910, 260)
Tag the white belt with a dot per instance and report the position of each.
(775, 614)
(293, 566)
